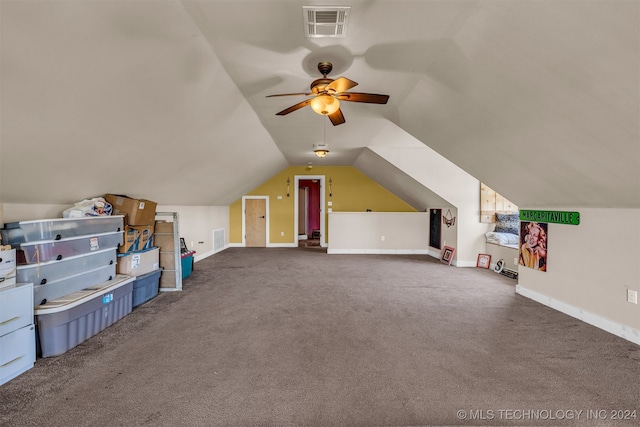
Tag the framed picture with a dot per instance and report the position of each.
(447, 255)
(484, 261)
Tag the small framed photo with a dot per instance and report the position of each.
(447, 255)
(484, 261)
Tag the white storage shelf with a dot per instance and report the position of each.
(17, 332)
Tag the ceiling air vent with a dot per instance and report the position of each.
(325, 21)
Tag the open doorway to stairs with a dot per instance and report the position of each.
(309, 215)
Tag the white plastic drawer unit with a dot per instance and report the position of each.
(7, 282)
(16, 308)
(16, 233)
(17, 352)
(47, 250)
(17, 332)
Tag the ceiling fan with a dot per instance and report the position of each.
(327, 94)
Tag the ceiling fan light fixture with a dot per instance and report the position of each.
(325, 104)
(321, 150)
(328, 94)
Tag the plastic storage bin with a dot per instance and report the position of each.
(16, 233)
(47, 250)
(187, 263)
(47, 272)
(68, 285)
(68, 321)
(145, 287)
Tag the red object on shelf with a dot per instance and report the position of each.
(188, 254)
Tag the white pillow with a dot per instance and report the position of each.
(502, 238)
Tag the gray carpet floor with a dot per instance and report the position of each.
(296, 337)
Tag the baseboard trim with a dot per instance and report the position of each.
(269, 245)
(434, 253)
(465, 263)
(378, 251)
(200, 257)
(615, 328)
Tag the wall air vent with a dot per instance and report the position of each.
(325, 21)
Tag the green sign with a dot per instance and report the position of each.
(556, 217)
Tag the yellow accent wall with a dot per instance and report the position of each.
(352, 191)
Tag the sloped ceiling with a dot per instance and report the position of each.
(399, 183)
(167, 99)
(126, 98)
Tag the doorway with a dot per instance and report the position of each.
(255, 222)
(309, 217)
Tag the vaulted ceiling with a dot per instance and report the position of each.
(166, 100)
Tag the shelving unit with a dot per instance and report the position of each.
(167, 238)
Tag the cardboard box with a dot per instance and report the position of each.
(146, 236)
(130, 240)
(144, 232)
(139, 262)
(138, 211)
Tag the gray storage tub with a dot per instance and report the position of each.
(146, 287)
(68, 321)
(16, 233)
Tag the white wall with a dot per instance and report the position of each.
(196, 222)
(14, 212)
(508, 255)
(378, 232)
(452, 184)
(589, 269)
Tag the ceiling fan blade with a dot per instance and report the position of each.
(289, 94)
(337, 118)
(371, 98)
(341, 84)
(293, 108)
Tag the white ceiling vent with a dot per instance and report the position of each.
(325, 21)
